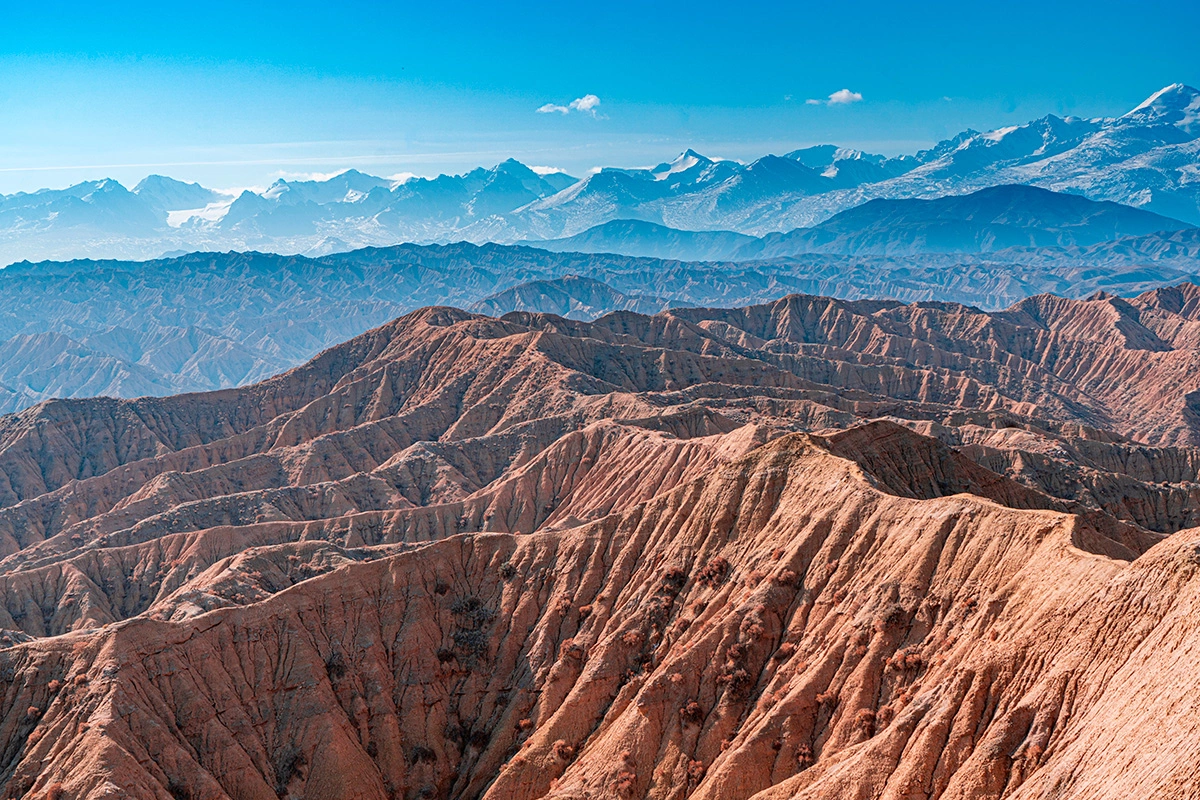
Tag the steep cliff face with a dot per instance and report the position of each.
(812, 549)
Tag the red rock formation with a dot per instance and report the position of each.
(672, 556)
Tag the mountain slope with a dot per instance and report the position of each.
(981, 222)
(571, 296)
(209, 321)
(668, 556)
(646, 239)
(168, 194)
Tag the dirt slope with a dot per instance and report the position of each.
(810, 549)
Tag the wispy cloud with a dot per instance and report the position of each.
(842, 97)
(585, 105)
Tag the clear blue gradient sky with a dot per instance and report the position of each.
(234, 94)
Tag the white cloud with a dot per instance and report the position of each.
(844, 97)
(585, 105)
(545, 170)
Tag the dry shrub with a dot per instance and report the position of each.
(692, 713)
(674, 579)
(864, 721)
(568, 649)
(786, 578)
(739, 682)
(714, 572)
(904, 660)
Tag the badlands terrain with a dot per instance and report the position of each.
(812, 548)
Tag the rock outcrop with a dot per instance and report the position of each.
(814, 549)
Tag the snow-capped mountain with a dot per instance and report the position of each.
(1148, 158)
(168, 194)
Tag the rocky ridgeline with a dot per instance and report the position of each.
(814, 548)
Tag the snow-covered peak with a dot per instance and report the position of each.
(686, 160)
(1168, 96)
(999, 133)
(277, 189)
(1177, 104)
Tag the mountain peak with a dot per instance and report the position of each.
(512, 165)
(1173, 95)
(1177, 104)
(683, 162)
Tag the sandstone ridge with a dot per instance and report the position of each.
(810, 549)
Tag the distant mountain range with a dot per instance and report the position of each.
(985, 221)
(635, 237)
(570, 296)
(1147, 158)
(212, 320)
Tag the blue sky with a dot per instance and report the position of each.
(234, 94)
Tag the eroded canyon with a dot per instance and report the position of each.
(809, 549)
